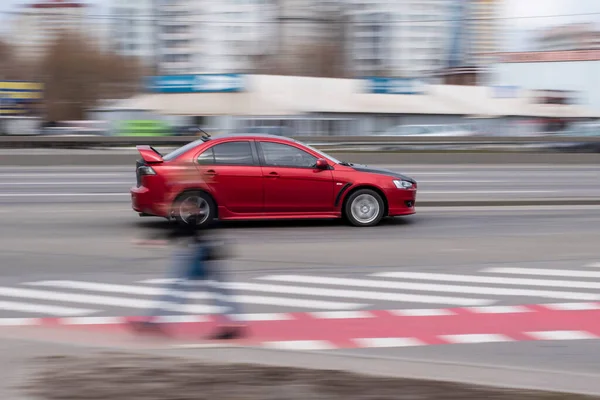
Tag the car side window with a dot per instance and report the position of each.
(283, 155)
(229, 153)
(207, 157)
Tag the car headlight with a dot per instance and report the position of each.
(403, 184)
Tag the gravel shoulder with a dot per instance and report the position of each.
(120, 376)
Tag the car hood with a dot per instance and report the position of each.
(382, 171)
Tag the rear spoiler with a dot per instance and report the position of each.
(149, 154)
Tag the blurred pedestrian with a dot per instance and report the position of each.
(198, 258)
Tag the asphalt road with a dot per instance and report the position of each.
(66, 257)
(439, 183)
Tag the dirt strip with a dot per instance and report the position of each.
(114, 376)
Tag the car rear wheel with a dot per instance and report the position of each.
(190, 202)
(364, 207)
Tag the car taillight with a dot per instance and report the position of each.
(146, 170)
(142, 170)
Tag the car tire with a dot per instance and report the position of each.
(194, 198)
(365, 207)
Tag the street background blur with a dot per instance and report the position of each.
(300, 67)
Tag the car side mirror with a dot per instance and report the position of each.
(322, 164)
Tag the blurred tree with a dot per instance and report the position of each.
(77, 74)
(11, 67)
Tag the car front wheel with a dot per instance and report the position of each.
(189, 203)
(364, 207)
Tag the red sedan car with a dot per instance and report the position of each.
(245, 177)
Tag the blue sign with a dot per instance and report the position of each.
(208, 83)
(395, 85)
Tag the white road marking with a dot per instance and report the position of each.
(420, 182)
(593, 265)
(500, 310)
(357, 294)
(475, 338)
(568, 273)
(488, 279)
(67, 175)
(342, 314)
(432, 287)
(243, 299)
(44, 309)
(572, 306)
(561, 335)
(422, 313)
(262, 317)
(300, 345)
(18, 321)
(309, 291)
(93, 321)
(89, 183)
(387, 342)
(64, 194)
(102, 300)
(422, 192)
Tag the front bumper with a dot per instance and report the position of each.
(401, 202)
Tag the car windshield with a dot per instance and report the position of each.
(177, 152)
(327, 156)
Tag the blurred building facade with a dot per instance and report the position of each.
(584, 36)
(484, 31)
(37, 24)
(134, 29)
(405, 38)
(190, 36)
(421, 38)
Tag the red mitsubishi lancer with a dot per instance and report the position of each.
(257, 177)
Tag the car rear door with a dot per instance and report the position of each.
(233, 173)
(292, 183)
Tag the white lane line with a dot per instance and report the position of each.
(475, 338)
(500, 310)
(44, 309)
(300, 345)
(93, 321)
(567, 273)
(102, 300)
(89, 183)
(356, 294)
(19, 321)
(420, 182)
(490, 191)
(434, 312)
(244, 299)
(572, 306)
(63, 194)
(263, 317)
(387, 342)
(432, 287)
(487, 279)
(561, 335)
(593, 265)
(67, 175)
(342, 314)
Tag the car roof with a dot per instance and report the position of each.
(252, 135)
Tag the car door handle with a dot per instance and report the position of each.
(211, 172)
(273, 174)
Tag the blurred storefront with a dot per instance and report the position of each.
(323, 106)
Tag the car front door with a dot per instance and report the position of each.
(292, 183)
(233, 173)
